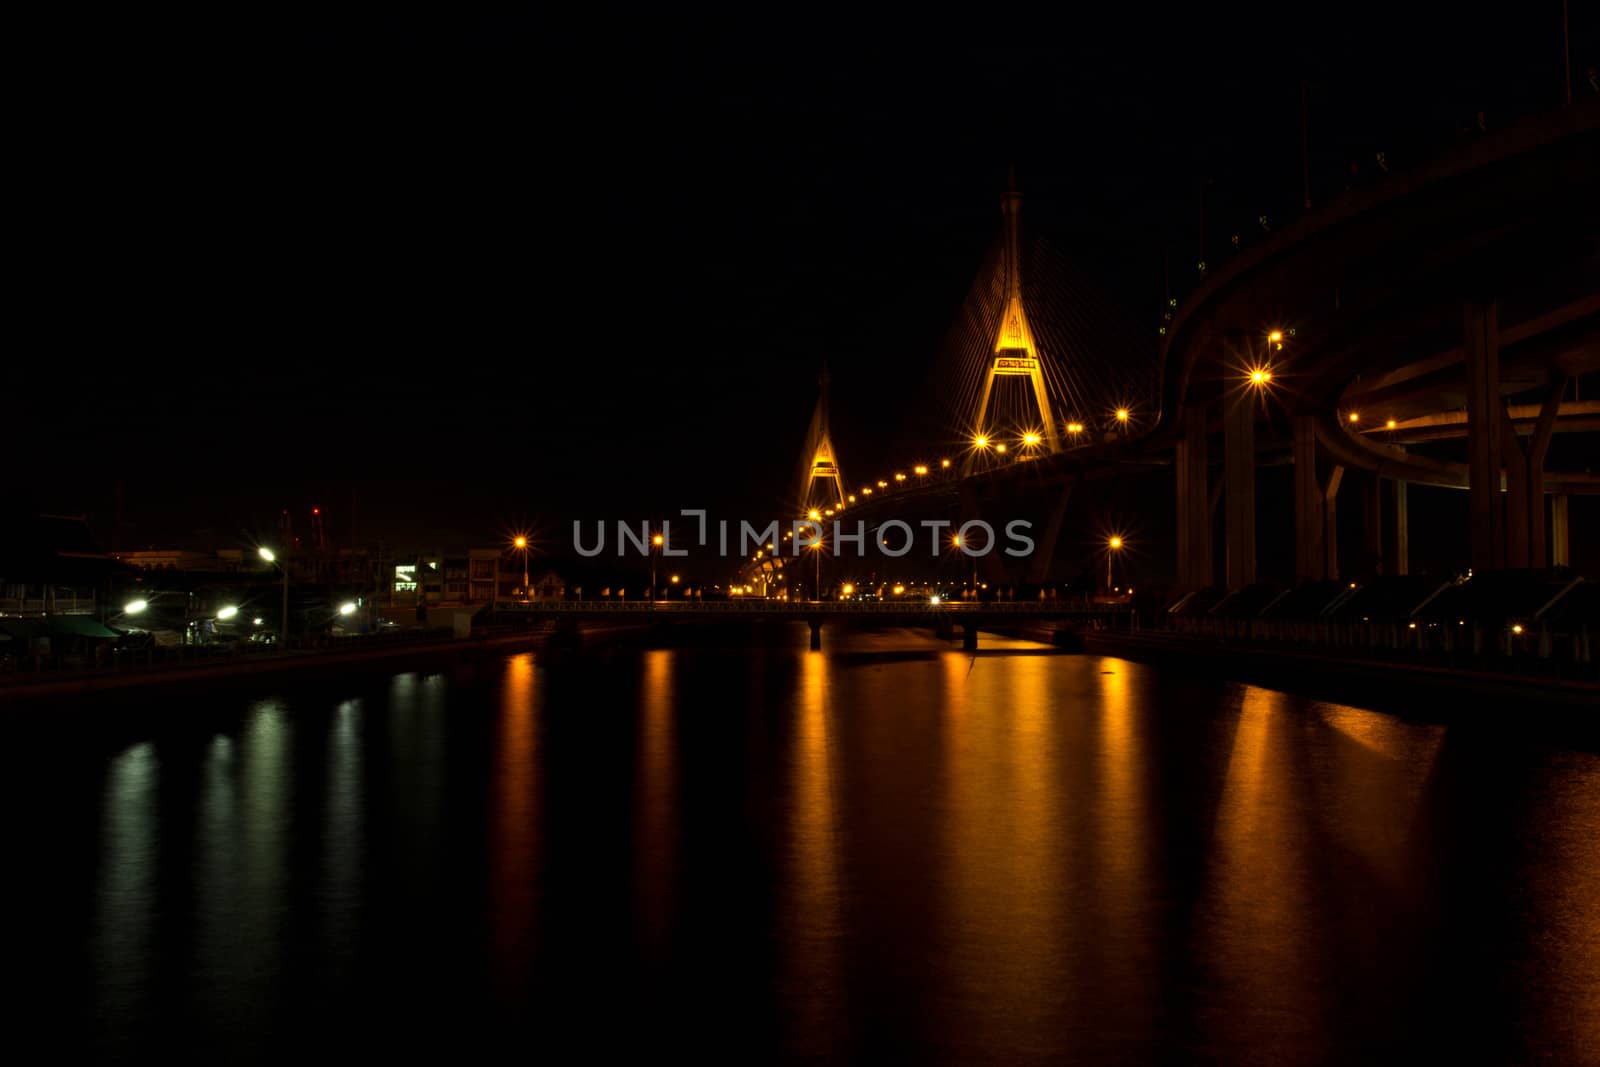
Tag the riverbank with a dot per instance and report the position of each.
(1347, 677)
(247, 667)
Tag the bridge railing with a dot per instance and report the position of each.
(801, 608)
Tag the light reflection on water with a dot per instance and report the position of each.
(889, 849)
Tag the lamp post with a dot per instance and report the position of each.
(283, 620)
(1112, 547)
(655, 542)
(521, 544)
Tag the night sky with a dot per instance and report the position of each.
(478, 273)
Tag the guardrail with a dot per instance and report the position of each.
(802, 609)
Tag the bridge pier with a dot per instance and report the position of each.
(1402, 527)
(1372, 525)
(1481, 343)
(1559, 545)
(1239, 464)
(816, 634)
(1194, 504)
(969, 637)
(1310, 523)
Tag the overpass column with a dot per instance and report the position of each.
(1560, 551)
(1372, 524)
(1309, 552)
(1402, 528)
(1239, 463)
(1484, 413)
(1330, 515)
(1194, 510)
(816, 634)
(1525, 528)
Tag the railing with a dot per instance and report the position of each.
(59, 605)
(801, 608)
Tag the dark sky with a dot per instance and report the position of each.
(483, 272)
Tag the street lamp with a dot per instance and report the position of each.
(1113, 546)
(283, 621)
(520, 543)
(135, 607)
(655, 542)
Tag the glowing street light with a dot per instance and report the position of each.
(657, 541)
(1260, 376)
(283, 622)
(347, 608)
(1355, 417)
(920, 469)
(134, 607)
(1030, 439)
(981, 440)
(883, 485)
(944, 464)
(1074, 427)
(813, 514)
(1389, 425)
(520, 543)
(899, 477)
(1113, 545)
(1122, 414)
(227, 613)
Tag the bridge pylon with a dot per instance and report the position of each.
(821, 481)
(1015, 352)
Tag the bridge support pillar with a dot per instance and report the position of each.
(1310, 553)
(1485, 414)
(1372, 525)
(1239, 462)
(1038, 567)
(816, 634)
(1402, 527)
(969, 637)
(1330, 515)
(1560, 550)
(1525, 527)
(1194, 511)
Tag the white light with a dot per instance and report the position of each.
(933, 600)
(256, 621)
(347, 608)
(133, 607)
(266, 554)
(228, 612)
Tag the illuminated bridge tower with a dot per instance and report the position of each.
(821, 483)
(1015, 353)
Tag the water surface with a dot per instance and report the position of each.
(891, 850)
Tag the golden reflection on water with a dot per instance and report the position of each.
(1567, 956)
(656, 822)
(1125, 926)
(1004, 850)
(515, 822)
(1257, 930)
(1373, 772)
(813, 969)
